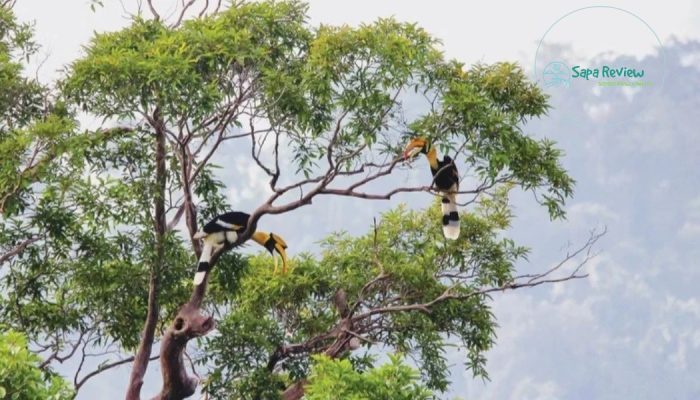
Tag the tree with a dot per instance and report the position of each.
(400, 286)
(112, 252)
(20, 375)
(67, 274)
(30, 126)
(333, 379)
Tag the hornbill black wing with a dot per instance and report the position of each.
(446, 175)
(221, 229)
(448, 181)
(450, 170)
(230, 221)
(226, 228)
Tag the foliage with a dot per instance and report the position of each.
(33, 131)
(84, 271)
(337, 379)
(78, 235)
(410, 265)
(190, 71)
(20, 376)
(262, 58)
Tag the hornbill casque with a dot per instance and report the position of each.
(445, 179)
(224, 229)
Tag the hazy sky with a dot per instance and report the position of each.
(630, 331)
(493, 31)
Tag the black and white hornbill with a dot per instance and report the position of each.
(224, 229)
(445, 179)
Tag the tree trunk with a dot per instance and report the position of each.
(294, 392)
(143, 354)
(188, 324)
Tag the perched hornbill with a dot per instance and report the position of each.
(445, 179)
(225, 228)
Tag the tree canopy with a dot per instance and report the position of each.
(97, 226)
(21, 377)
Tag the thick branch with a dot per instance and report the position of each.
(144, 351)
(188, 324)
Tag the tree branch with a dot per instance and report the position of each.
(17, 249)
(104, 367)
(342, 332)
(153, 10)
(143, 353)
(185, 6)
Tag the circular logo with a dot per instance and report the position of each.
(556, 74)
(609, 58)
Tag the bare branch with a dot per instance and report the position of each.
(61, 359)
(587, 247)
(227, 116)
(153, 10)
(80, 365)
(104, 367)
(17, 249)
(254, 155)
(204, 9)
(276, 176)
(518, 282)
(218, 6)
(8, 3)
(176, 218)
(185, 6)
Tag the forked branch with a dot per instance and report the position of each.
(373, 316)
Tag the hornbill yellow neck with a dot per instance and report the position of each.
(445, 179)
(272, 242)
(225, 229)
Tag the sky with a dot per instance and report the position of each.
(632, 329)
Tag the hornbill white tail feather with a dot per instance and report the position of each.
(212, 242)
(445, 179)
(450, 216)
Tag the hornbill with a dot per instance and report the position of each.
(225, 228)
(446, 180)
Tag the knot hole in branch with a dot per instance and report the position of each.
(179, 324)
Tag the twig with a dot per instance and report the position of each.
(153, 10)
(185, 6)
(204, 9)
(17, 249)
(103, 368)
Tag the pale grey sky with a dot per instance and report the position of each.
(632, 330)
(491, 31)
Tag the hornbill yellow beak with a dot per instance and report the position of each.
(281, 248)
(273, 242)
(413, 147)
